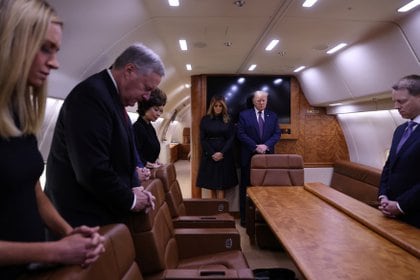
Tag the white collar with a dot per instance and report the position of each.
(112, 78)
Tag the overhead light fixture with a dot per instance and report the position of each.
(252, 67)
(336, 48)
(309, 3)
(173, 3)
(272, 44)
(183, 44)
(239, 3)
(409, 6)
(187, 85)
(299, 69)
(189, 67)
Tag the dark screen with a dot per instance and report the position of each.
(238, 94)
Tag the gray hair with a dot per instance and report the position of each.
(411, 83)
(145, 60)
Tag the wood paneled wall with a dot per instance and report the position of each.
(314, 134)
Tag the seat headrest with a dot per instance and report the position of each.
(167, 174)
(275, 161)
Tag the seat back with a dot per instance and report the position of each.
(357, 180)
(173, 195)
(277, 170)
(117, 262)
(271, 170)
(153, 234)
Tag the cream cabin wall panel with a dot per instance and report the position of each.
(368, 135)
(367, 68)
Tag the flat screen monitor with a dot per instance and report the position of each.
(238, 90)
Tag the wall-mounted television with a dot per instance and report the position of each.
(238, 90)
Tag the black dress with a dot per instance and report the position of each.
(21, 165)
(216, 136)
(147, 142)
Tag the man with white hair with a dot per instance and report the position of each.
(92, 166)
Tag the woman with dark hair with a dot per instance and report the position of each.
(217, 170)
(147, 142)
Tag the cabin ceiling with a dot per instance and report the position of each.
(96, 31)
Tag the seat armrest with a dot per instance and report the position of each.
(193, 242)
(214, 221)
(207, 206)
(208, 274)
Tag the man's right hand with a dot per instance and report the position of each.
(144, 199)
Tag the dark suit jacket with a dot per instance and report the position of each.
(248, 133)
(91, 165)
(400, 179)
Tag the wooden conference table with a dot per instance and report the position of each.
(327, 243)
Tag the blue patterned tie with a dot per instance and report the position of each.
(406, 134)
(260, 123)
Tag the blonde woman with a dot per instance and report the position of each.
(217, 170)
(30, 36)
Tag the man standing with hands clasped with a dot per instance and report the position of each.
(92, 166)
(399, 191)
(258, 132)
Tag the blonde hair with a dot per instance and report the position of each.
(23, 26)
(224, 113)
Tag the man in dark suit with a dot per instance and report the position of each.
(91, 170)
(399, 191)
(258, 132)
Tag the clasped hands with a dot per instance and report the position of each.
(143, 173)
(86, 243)
(261, 148)
(217, 156)
(389, 207)
(144, 200)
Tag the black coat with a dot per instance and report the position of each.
(91, 165)
(216, 136)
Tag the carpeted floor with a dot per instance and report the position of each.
(256, 257)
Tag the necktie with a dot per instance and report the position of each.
(406, 134)
(260, 123)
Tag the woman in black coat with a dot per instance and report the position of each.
(147, 142)
(217, 170)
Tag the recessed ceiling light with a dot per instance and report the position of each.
(183, 44)
(299, 69)
(336, 48)
(252, 67)
(309, 3)
(239, 3)
(189, 67)
(272, 44)
(173, 3)
(409, 6)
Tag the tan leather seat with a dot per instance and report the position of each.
(357, 180)
(271, 170)
(116, 263)
(192, 212)
(190, 253)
